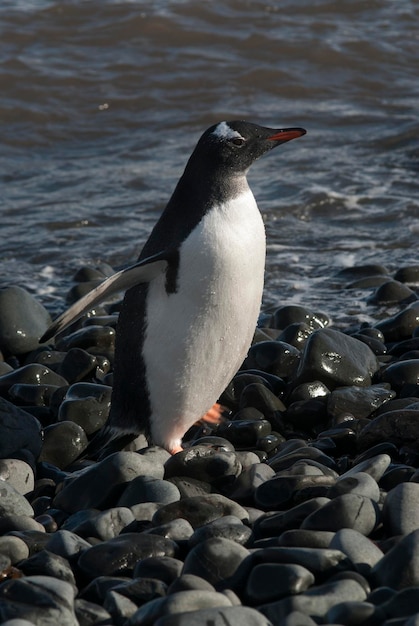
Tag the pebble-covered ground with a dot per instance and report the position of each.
(301, 508)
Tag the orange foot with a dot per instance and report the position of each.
(214, 415)
(176, 449)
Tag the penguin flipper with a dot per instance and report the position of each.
(142, 272)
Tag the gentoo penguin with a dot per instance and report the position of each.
(193, 297)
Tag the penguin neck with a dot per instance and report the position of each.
(196, 193)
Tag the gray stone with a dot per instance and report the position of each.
(14, 548)
(268, 582)
(66, 544)
(178, 530)
(118, 556)
(46, 563)
(359, 483)
(374, 466)
(149, 489)
(316, 601)
(180, 602)
(347, 511)
(42, 600)
(401, 509)
(18, 474)
(12, 502)
(101, 484)
(109, 523)
(228, 527)
(200, 510)
(216, 560)
(399, 567)
(363, 553)
(219, 616)
(20, 433)
(88, 613)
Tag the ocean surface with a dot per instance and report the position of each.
(101, 103)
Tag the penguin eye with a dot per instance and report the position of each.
(237, 141)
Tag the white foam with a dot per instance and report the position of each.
(223, 131)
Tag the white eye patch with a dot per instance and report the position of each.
(223, 131)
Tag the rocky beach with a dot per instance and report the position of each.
(300, 508)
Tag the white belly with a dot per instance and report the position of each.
(197, 338)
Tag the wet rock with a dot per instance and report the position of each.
(77, 365)
(359, 401)
(101, 485)
(275, 357)
(392, 292)
(33, 374)
(408, 274)
(20, 434)
(402, 373)
(23, 320)
(86, 404)
(296, 334)
(362, 271)
(200, 510)
(291, 314)
(118, 556)
(244, 433)
(228, 527)
(216, 560)
(45, 563)
(337, 360)
(398, 427)
(164, 568)
(400, 326)
(32, 395)
(85, 338)
(249, 480)
(281, 491)
(178, 530)
(203, 463)
(63, 443)
(260, 397)
(268, 582)
(308, 391)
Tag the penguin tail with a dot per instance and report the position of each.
(107, 441)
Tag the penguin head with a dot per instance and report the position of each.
(234, 146)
